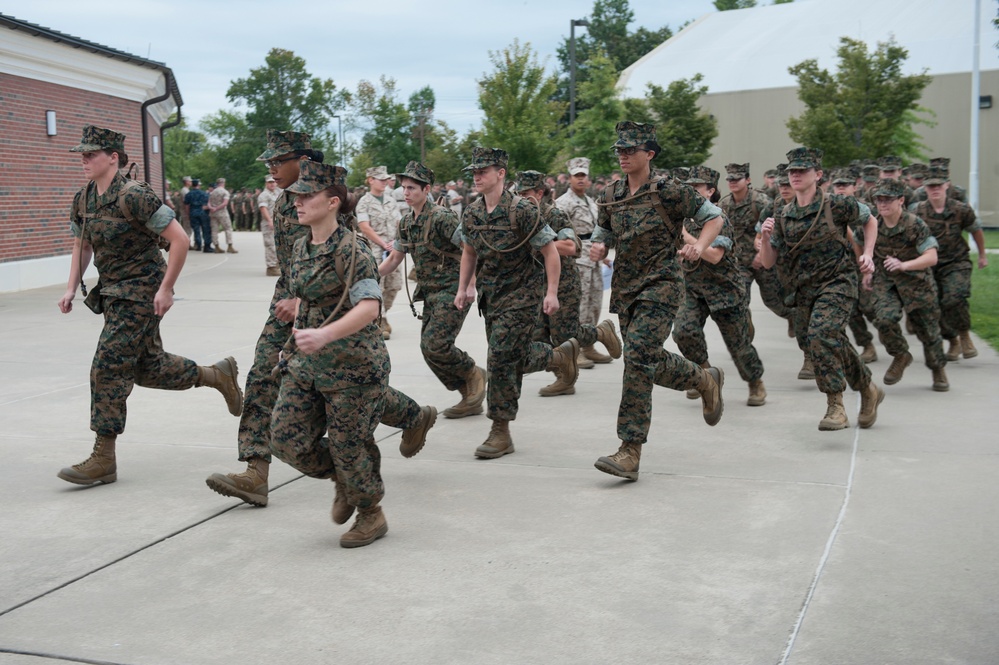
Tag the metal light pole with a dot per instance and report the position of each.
(572, 67)
(976, 92)
(339, 129)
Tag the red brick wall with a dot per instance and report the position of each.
(39, 175)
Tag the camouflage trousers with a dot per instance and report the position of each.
(858, 320)
(733, 323)
(303, 416)
(511, 355)
(270, 249)
(442, 322)
(591, 284)
(220, 221)
(953, 289)
(130, 353)
(771, 289)
(565, 323)
(185, 222)
(645, 326)
(820, 326)
(888, 308)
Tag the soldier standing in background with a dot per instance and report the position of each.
(378, 217)
(267, 202)
(185, 214)
(218, 208)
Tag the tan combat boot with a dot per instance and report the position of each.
(967, 346)
(273, 271)
(369, 526)
(100, 467)
(869, 354)
(807, 371)
(835, 413)
(623, 463)
(870, 398)
(592, 356)
(473, 391)
(582, 362)
(607, 335)
(249, 486)
(386, 329)
(757, 393)
(231, 250)
(414, 437)
(897, 368)
(710, 387)
(694, 393)
(564, 365)
(498, 443)
(940, 383)
(953, 350)
(223, 376)
(341, 510)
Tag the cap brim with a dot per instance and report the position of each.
(87, 147)
(934, 181)
(271, 153)
(733, 178)
(578, 171)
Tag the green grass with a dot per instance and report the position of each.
(985, 296)
(991, 239)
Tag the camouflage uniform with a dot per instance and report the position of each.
(185, 218)
(811, 244)
(177, 199)
(952, 272)
(238, 218)
(383, 215)
(220, 218)
(269, 200)
(582, 213)
(511, 291)
(647, 290)
(131, 266)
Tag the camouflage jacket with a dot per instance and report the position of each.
(559, 222)
(812, 248)
(287, 231)
(383, 215)
(507, 279)
(645, 264)
(744, 218)
(720, 285)
(216, 198)
(434, 241)
(947, 227)
(582, 212)
(129, 262)
(318, 276)
(905, 241)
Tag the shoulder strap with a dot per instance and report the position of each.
(126, 214)
(657, 203)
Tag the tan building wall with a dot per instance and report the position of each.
(752, 127)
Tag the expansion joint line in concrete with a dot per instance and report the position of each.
(55, 656)
(825, 554)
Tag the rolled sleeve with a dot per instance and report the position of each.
(928, 244)
(365, 289)
(457, 237)
(160, 219)
(600, 234)
(724, 242)
(544, 236)
(566, 234)
(397, 246)
(707, 211)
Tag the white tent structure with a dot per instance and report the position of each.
(744, 57)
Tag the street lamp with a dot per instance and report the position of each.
(581, 22)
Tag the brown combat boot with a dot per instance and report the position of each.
(231, 250)
(273, 271)
(249, 486)
(710, 387)
(582, 362)
(498, 443)
(967, 346)
(341, 510)
(757, 393)
(694, 393)
(219, 250)
(223, 376)
(386, 329)
(100, 467)
(897, 368)
(869, 354)
(807, 371)
(870, 398)
(414, 437)
(369, 526)
(953, 350)
(623, 463)
(564, 365)
(835, 413)
(473, 391)
(591, 355)
(940, 383)
(607, 335)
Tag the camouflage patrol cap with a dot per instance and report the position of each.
(681, 173)
(804, 158)
(737, 171)
(530, 180)
(770, 173)
(485, 157)
(283, 143)
(702, 175)
(871, 173)
(918, 170)
(578, 165)
(890, 188)
(316, 177)
(98, 138)
(634, 134)
(940, 161)
(782, 178)
(418, 172)
(378, 173)
(937, 175)
(843, 177)
(890, 163)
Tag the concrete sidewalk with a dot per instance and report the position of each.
(761, 540)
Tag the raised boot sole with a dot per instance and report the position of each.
(862, 422)
(607, 466)
(221, 484)
(382, 530)
(84, 480)
(454, 412)
(488, 452)
(832, 425)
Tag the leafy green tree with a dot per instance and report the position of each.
(521, 115)
(593, 132)
(725, 5)
(866, 109)
(183, 152)
(683, 130)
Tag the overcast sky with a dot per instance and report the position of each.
(444, 44)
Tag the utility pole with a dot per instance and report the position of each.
(572, 68)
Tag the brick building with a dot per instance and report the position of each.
(51, 85)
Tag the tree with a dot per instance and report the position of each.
(867, 109)
(388, 128)
(725, 5)
(684, 131)
(521, 115)
(593, 132)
